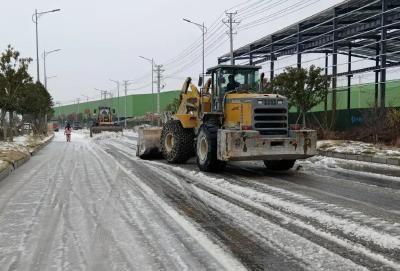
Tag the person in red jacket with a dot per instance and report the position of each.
(68, 132)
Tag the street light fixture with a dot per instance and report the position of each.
(152, 86)
(44, 64)
(35, 18)
(117, 82)
(204, 31)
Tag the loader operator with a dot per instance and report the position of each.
(232, 84)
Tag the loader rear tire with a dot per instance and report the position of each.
(206, 149)
(279, 165)
(176, 142)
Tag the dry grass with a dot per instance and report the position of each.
(12, 156)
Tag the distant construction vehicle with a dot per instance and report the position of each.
(230, 120)
(104, 121)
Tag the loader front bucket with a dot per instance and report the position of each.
(148, 142)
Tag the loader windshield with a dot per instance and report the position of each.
(238, 80)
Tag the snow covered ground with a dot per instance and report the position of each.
(74, 208)
(356, 147)
(23, 144)
(92, 205)
(19, 149)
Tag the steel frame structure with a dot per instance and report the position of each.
(361, 29)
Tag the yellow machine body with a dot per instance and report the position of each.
(251, 125)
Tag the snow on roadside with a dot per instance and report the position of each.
(21, 147)
(360, 168)
(357, 147)
(105, 135)
(3, 165)
(112, 135)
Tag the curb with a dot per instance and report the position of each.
(35, 151)
(362, 157)
(16, 164)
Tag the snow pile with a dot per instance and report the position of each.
(358, 148)
(131, 133)
(105, 135)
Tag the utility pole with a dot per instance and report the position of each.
(77, 111)
(152, 86)
(87, 97)
(159, 71)
(117, 82)
(229, 23)
(37, 45)
(126, 91)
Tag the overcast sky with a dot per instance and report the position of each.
(102, 39)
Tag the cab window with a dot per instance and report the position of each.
(236, 79)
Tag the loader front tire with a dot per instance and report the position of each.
(279, 165)
(176, 142)
(206, 149)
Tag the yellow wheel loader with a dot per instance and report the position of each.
(230, 120)
(104, 121)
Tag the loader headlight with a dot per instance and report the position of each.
(260, 102)
(280, 102)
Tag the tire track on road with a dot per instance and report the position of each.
(360, 260)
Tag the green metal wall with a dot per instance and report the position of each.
(137, 105)
(362, 96)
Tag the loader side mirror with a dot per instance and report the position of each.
(200, 83)
(94, 111)
(113, 111)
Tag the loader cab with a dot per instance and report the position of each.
(232, 79)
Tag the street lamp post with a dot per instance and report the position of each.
(117, 82)
(152, 86)
(204, 31)
(44, 64)
(35, 18)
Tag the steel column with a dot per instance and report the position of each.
(334, 63)
(298, 46)
(377, 70)
(383, 53)
(326, 73)
(250, 55)
(272, 67)
(349, 76)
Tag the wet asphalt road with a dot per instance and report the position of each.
(349, 210)
(93, 205)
